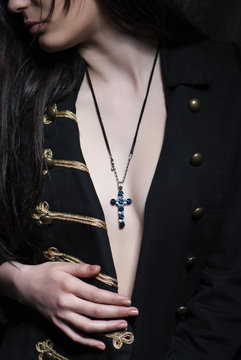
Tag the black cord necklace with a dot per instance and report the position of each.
(121, 201)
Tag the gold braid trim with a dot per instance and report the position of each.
(52, 112)
(66, 114)
(46, 217)
(48, 156)
(121, 337)
(53, 254)
(46, 351)
(71, 164)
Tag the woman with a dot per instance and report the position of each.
(113, 76)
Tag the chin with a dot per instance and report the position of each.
(53, 45)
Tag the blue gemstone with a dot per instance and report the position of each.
(129, 201)
(121, 208)
(113, 202)
(120, 193)
(121, 201)
(122, 224)
(121, 217)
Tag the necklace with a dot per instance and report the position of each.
(121, 201)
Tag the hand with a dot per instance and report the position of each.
(56, 291)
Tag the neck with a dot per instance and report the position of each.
(111, 55)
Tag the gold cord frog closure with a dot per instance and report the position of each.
(46, 351)
(45, 217)
(120, 338)
(51, 163)
(52, 112)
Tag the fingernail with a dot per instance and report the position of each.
(133, 312)
(101, 346)
(94, 268)
(126, 302)
(122, 324)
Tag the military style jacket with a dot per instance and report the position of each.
(188, 281)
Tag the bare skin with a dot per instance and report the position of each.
(119, 67)
(120, 99)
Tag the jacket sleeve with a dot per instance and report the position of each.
(3, 312)
(212, 331)
(5, 303)
(3, 300)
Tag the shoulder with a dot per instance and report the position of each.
(222, 59)
(221, 52)
(202, 63)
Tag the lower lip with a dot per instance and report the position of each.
(35, 29)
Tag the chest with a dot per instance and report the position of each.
(120, 116)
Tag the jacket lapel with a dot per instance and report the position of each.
(186, 75)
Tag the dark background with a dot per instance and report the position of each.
(220, 19)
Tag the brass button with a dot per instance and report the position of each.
(196, 159)
(198, 213)
(194, 105)
(51, 111)
(50, 163)
(48, 156)
(191, 259)
(182, 310)
(45, 220)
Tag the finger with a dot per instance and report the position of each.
(94, 294)
(86, 325)
(76, 336)
(81, 270)
(98, 311)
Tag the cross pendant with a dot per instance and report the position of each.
(121, 201)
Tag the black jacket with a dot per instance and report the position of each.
(188, 282)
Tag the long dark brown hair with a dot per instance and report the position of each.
(32, 79)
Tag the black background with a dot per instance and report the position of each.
(220, 19)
